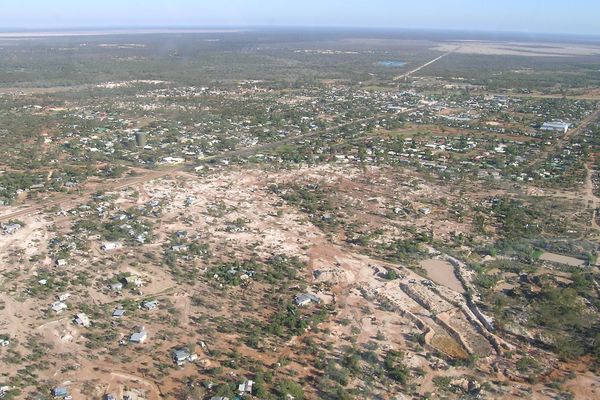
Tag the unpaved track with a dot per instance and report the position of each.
(118, 185)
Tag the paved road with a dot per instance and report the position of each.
(427, 64)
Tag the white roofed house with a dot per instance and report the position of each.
(11, 228)
(118, 313)
(58, 307)
(181, 356)
(305, 299)
(108, 246)
(134, 280)
(179, 248)
(150, 305)
(246, 387)
(82, 319)
(139, 337)
(64, 297)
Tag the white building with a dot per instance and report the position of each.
(107, 246)
(82, 320)
(58, 307)
(555, 126)
(139, 337)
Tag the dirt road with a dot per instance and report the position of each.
(590, 196)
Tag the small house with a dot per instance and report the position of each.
(133, 281)
(139, 337)
(11, 228)
(61, 263)
(179, 248)
(82, 320)
(116, 286)
(150, 305)
(246, 387)
(305, 299)
(64, 297)
(58, 307)
(181, 356)
(60, 392)
(108, 246)
(118, 313)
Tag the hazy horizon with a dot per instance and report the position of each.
(553, 17)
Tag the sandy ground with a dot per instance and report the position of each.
(442, 272)
(519, 49)
(337, 274)
(557, 258)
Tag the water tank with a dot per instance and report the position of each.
(140, 138)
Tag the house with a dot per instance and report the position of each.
(134, 280)
(246, 387)
(118, 313)
(11, 228)
(64, 297)
(181, 356)
(108, 246)
(305, 299)
(58, 307)
(150, 305)
(82, 320)
(139, 337)
(179, 248)
(60, 392)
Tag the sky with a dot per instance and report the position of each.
(532, 16)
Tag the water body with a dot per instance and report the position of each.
(442, 273)
(391, 64)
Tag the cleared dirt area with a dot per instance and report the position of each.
(561, 259)
(519, 49)
(239, 217)
(442, 273)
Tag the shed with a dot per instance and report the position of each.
(305, 299)
(118, 313)
(150, 305)
(61, 392)
(139, 337)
